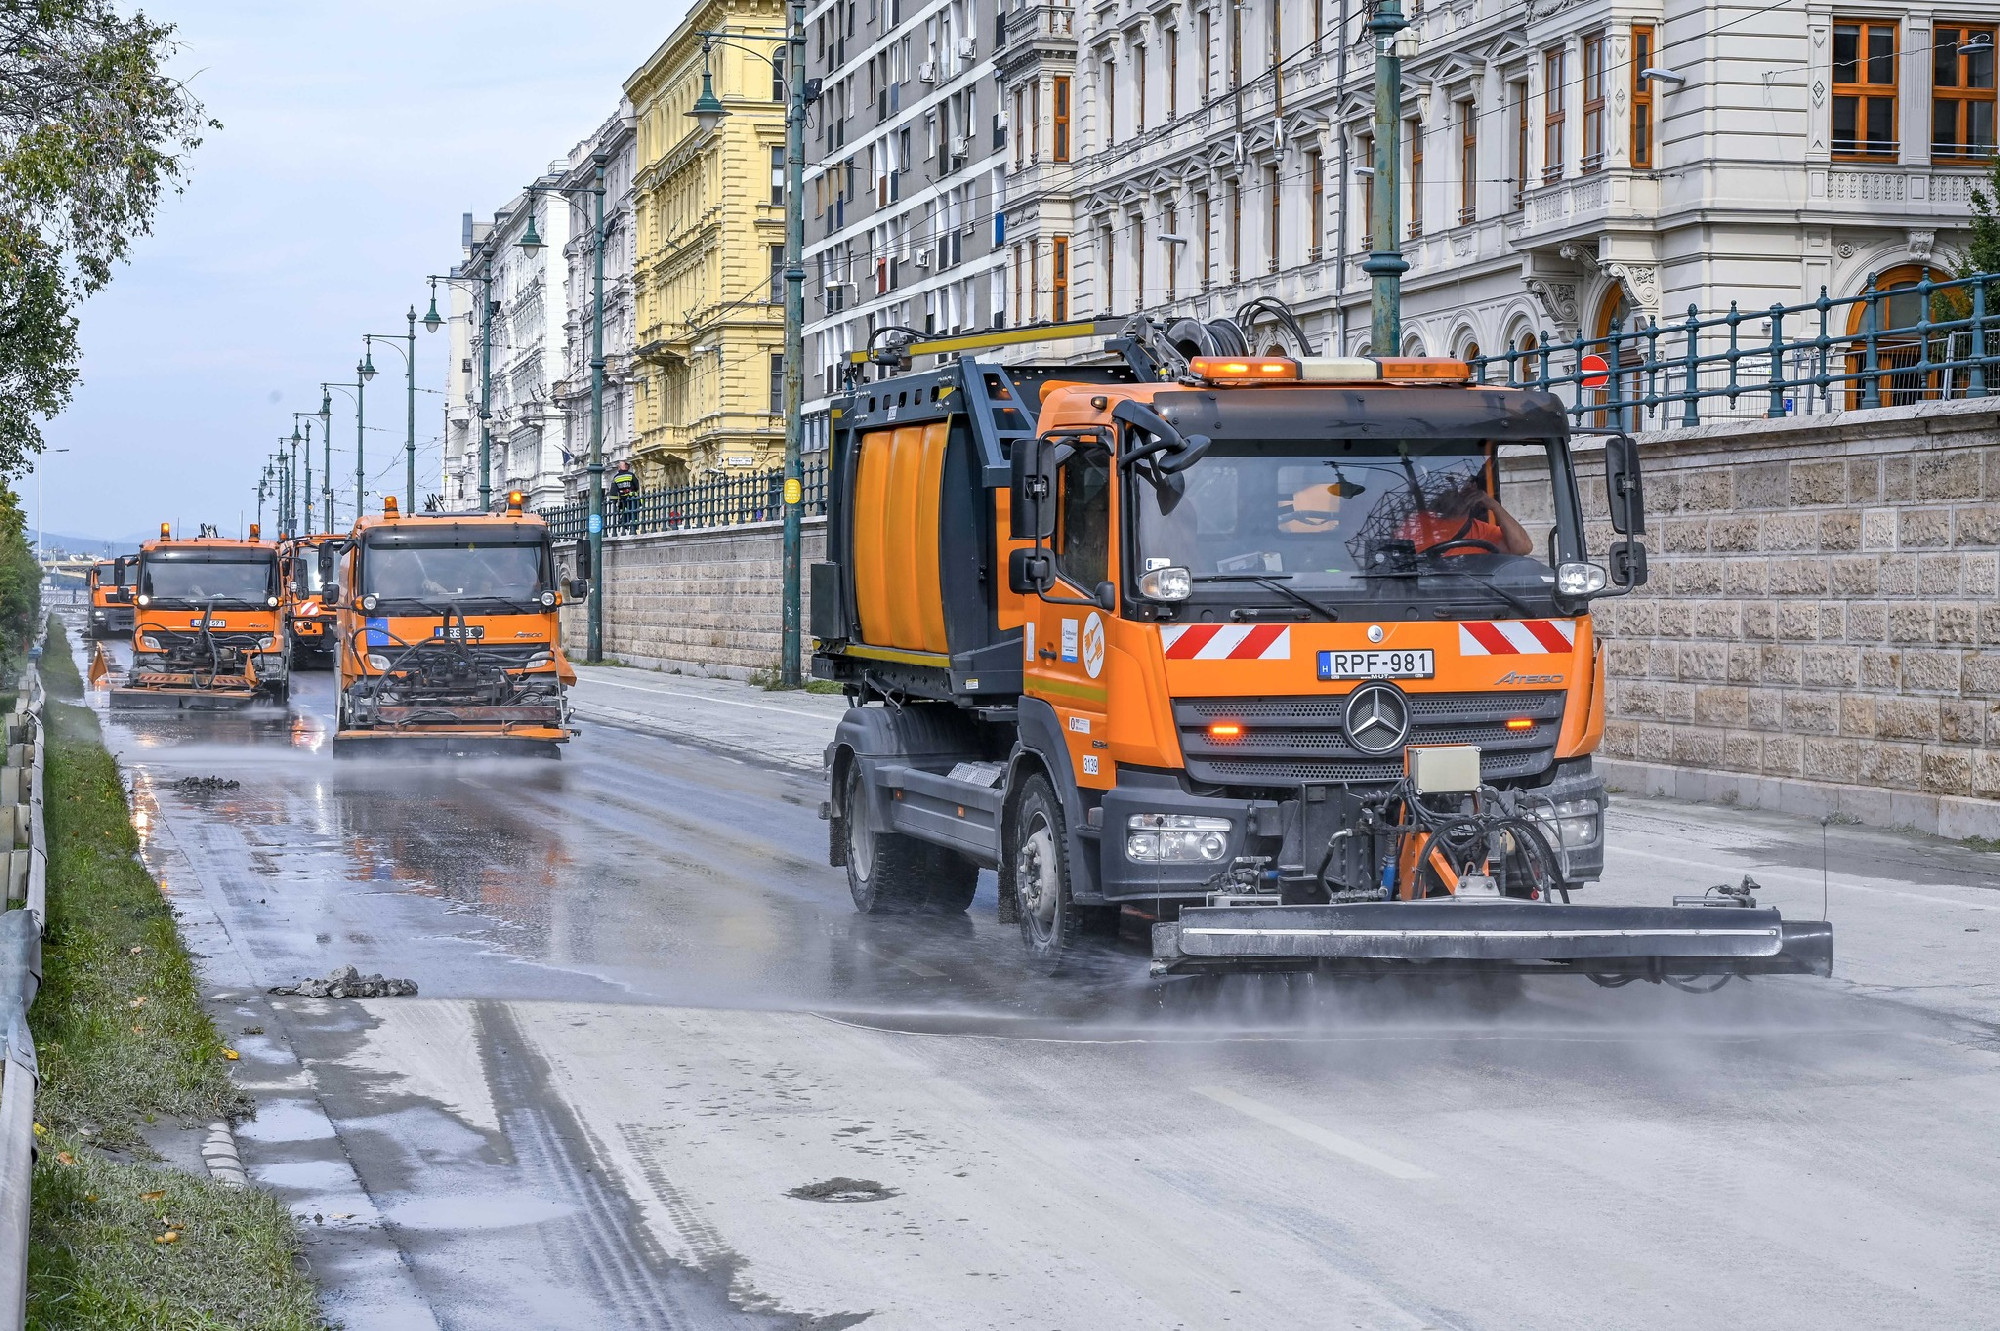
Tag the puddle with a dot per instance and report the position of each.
(843, 1190)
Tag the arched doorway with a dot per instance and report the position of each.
(1616, 310)
(1895, 320)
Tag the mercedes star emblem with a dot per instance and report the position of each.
(1378, 718)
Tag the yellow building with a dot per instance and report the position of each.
(709, 217)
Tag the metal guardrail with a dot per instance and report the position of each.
(720, 501)
(21, 823)
(1894, 346)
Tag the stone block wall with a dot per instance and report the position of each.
(1822, 628)
(705, 602)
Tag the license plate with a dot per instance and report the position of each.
(458, 632)
(1378, 665)
(207, 624)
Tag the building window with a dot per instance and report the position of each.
(777, 383)
(1235, 232)
(1416, 133)
(777, 274)
(1553, 113)
(1642, 98)
(1316, 175)
(1138, 261)
(1275, 231)
(1236, 46)
(1110, 102)
(1139, 91)
(1962, 93)
(1204, 216)
(1034, 280)
(1059, 278)
(1170, 255)
(1108, 301)
(1020, 126)
(1864, 90)
(1367, 150)
(1520, 181)
(1173, 72)
(1468, 163)
(779, 91)
(778, 177)
(1061, 99)
(1206, 27)
(1593, 102)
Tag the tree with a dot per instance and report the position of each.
(92, 132)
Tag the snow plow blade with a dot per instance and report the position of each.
(184, 693)
(519, 741)
(1652, 942)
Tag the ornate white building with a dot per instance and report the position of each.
(1564, 163)
(528, 290)
(616, 141)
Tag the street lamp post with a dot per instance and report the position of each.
(593, 653)
(288, 464)
(709, 112)
(1385, 262)
(410, 359)
(431, 322)
(307, 492)
(364, 370)
(326, 443)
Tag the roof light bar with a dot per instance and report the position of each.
(1244, 369)
(1329, 370)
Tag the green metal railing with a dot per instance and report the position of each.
(720, 501)
(1895, 346)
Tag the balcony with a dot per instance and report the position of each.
(1038, 29)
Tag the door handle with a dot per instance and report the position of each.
(1047, 653)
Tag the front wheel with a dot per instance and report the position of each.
(1036, 870)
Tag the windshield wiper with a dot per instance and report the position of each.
(1500, 592)
(1275, 582)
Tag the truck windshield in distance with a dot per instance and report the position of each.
(436, 574)
(1327, 517)
(200, 578)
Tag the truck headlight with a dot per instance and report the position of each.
(548, 599)
(271, 601)
(145, 600)
(149, 642)
(540, 659)
(1166, 584)
(1574, 821)
(1579, 579)
(376, 661)
(268, 645)
(368, 601)
(1176, 838)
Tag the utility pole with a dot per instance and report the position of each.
(326, 442)
(795, 321)
(410, 439)
(288, 478)
(1385, 262)
(306, 492)
(362, 373)
(594, 638)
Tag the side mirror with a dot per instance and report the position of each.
(329, 593)
(325, 564)
(1107, 596)
(1030, 571)
(1628, 563)
(1030, 489)
(1622, 488)
(577, 588)
(583, 569)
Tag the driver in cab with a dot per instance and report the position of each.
(1466, 520)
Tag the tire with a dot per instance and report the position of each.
(1035, 868)
(950, 883)
(887, 872)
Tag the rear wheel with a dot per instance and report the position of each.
(889, 873)
(1036, 864)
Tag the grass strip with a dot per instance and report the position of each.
(124, 1042)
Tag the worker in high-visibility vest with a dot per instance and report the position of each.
(625, 491)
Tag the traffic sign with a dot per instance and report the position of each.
(1596, 373)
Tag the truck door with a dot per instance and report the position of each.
(1064, 645)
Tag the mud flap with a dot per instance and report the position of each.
(1647, 941)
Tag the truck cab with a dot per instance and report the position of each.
(1304, 637)
(111, 597)
(206, 631)
(446, 633)
(308, 619)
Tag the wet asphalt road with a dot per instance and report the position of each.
(649, 1012)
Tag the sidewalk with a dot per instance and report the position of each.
(789, 729)
(1916, 918)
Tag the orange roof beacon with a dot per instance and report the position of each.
(206, 634)
(110, 585)
(446, 637)
(1288, 657)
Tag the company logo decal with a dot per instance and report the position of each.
(1227, 642)
(1093, 645)
(1516, 637)
(1378, 718)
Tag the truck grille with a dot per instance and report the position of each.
(1303, 741)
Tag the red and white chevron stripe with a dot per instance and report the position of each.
(1227, 642)
(1516, 637)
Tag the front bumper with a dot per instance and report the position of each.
(1653, 942)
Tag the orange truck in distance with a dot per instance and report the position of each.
(111, 597)
(1289, 656)
(206, 632)
(309, 621)
(446, 634)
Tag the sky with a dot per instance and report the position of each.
(354, 137)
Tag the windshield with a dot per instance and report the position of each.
(1332, 515)
(305, 571)
(208, 579)
(440, 574)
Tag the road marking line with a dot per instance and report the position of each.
(1312, 1132)
(1801, 880)
(703, 697)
